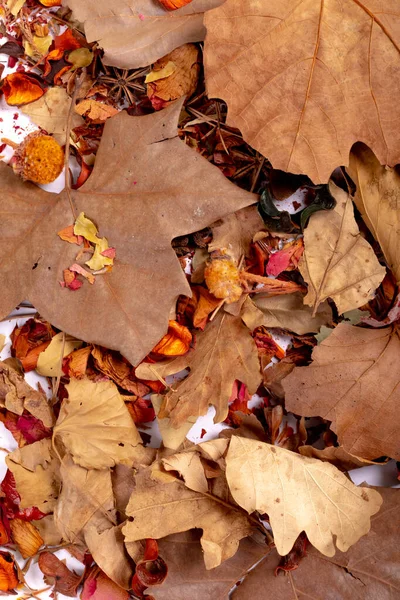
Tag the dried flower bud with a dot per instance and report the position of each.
(222, 277)
(39, 158)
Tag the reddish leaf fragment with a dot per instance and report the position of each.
(291, 561)
(286, 259)
(98, 586)
(32, 428)
(141, 410)
(28, 341)
(266, 344)
(75, 268)
(152, 570)
(12, 500)
(238, 403)
(75, 364)
(19, 88)
(71, 280)
(57, 574)
(109, 253)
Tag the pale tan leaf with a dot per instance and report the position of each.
(50, 360)
(172, 438)
(274, 375)
(338, 262)
(48, 530)
(188, 465)
(33, 455)
(138, 32)
(353, 381)
(378, 200)
(299, 494)
(225, 351)
(160, 509)
(336, 455)
(107, 549)
(86, 496)
(304, 79)
(95, 426)
(287, 312)
(50, 112)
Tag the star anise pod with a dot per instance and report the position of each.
(123, 82)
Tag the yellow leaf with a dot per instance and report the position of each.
(40, 45)
(85, 227)
(49, 361)
(164, 72)
(81, 57)
(98, 261)
(15, 6)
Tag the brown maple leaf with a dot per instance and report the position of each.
(147, 187)
(353, 381)
(139, 32)
(319, 76)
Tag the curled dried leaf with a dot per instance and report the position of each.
(175, 342)
(26, 536)
(56, 573)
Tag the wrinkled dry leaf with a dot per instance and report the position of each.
(50, 112)
(26, 536)
(172, 438)
(225, 351)
(50, 361)
(369, 570)
(318, 77)
(48, 531)
(94, 425)
(378, 200)
(33, 455)
(160, 509)
(286, 312)
(41, 486)
(236, 231)
(274, 374)
(57, 574)
(86, 497)
(188, 577)
(299, 494)
(353, 381)
(338, 262)
(138, 32)
(166, 201)
(107, 549)
(190, 468)
(114, 366)
(336, 455)
(97, 112)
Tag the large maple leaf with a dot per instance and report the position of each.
(305, 79)
(135, 33)
(147, 187)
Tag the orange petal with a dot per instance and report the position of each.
(66, 41)
(19, 88)
(50, 2)
(176, 341)
(174, 4)
(67, 235)
(8, 572)
(26, 536)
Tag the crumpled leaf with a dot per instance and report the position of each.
(29, 340)
(20, 88)
(225, 351)
(50, 360)
(50, 112)
(159, 509)
(369, 570)
(98, 586)
(377, 199)
(286, 312)
(139, 32)
(95, 426)
(336, 455)
(57, 574)
(17, 395)
(353, 381)
(338, 262)
(96, 112)
(182, 81)
(133, 311)
(319, 77)
(117, 368)
(26, 536)
(299, 494)
(38, 487)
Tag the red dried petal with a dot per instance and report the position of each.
(19, 88)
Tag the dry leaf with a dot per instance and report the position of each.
(369, 570)
(108, 551)
(133, 312)
(86, 496)
(114, 366)
(50, 361)
(159, 509)
(286, 312)
(338, 262)
(273, 376)
(48, 531)
(50, 112)
(378, 200)
(336, 455)
(172, 438)
(353, 381)
(33, 455)
(17, 395)
(182, 81)
(175, 342)
(188, 577)
(138, 32)
(235, 232)
(57, 574)
(26, 536)
(97, 112)
(190, 468)
(319, 77)
(39, 487)
(299, 494)
(94, 425)
(225, 351)
(19, 88)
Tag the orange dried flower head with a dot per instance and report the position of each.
(175, 342)
(39, 158)
(174, 4)
(222, 277)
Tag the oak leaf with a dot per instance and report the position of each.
(378, 199)
(319, 77)
(369, 570)
(138, 32)
(338, 262)
(299, 494)
(286, 312)
(161, 508)
(224, 352)
(353, 381)
(166, 201)
(94, 425)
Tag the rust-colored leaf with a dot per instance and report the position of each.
(57, 574)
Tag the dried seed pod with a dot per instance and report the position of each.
(39, 158)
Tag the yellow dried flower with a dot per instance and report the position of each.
(39, 158)
(222, 277)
